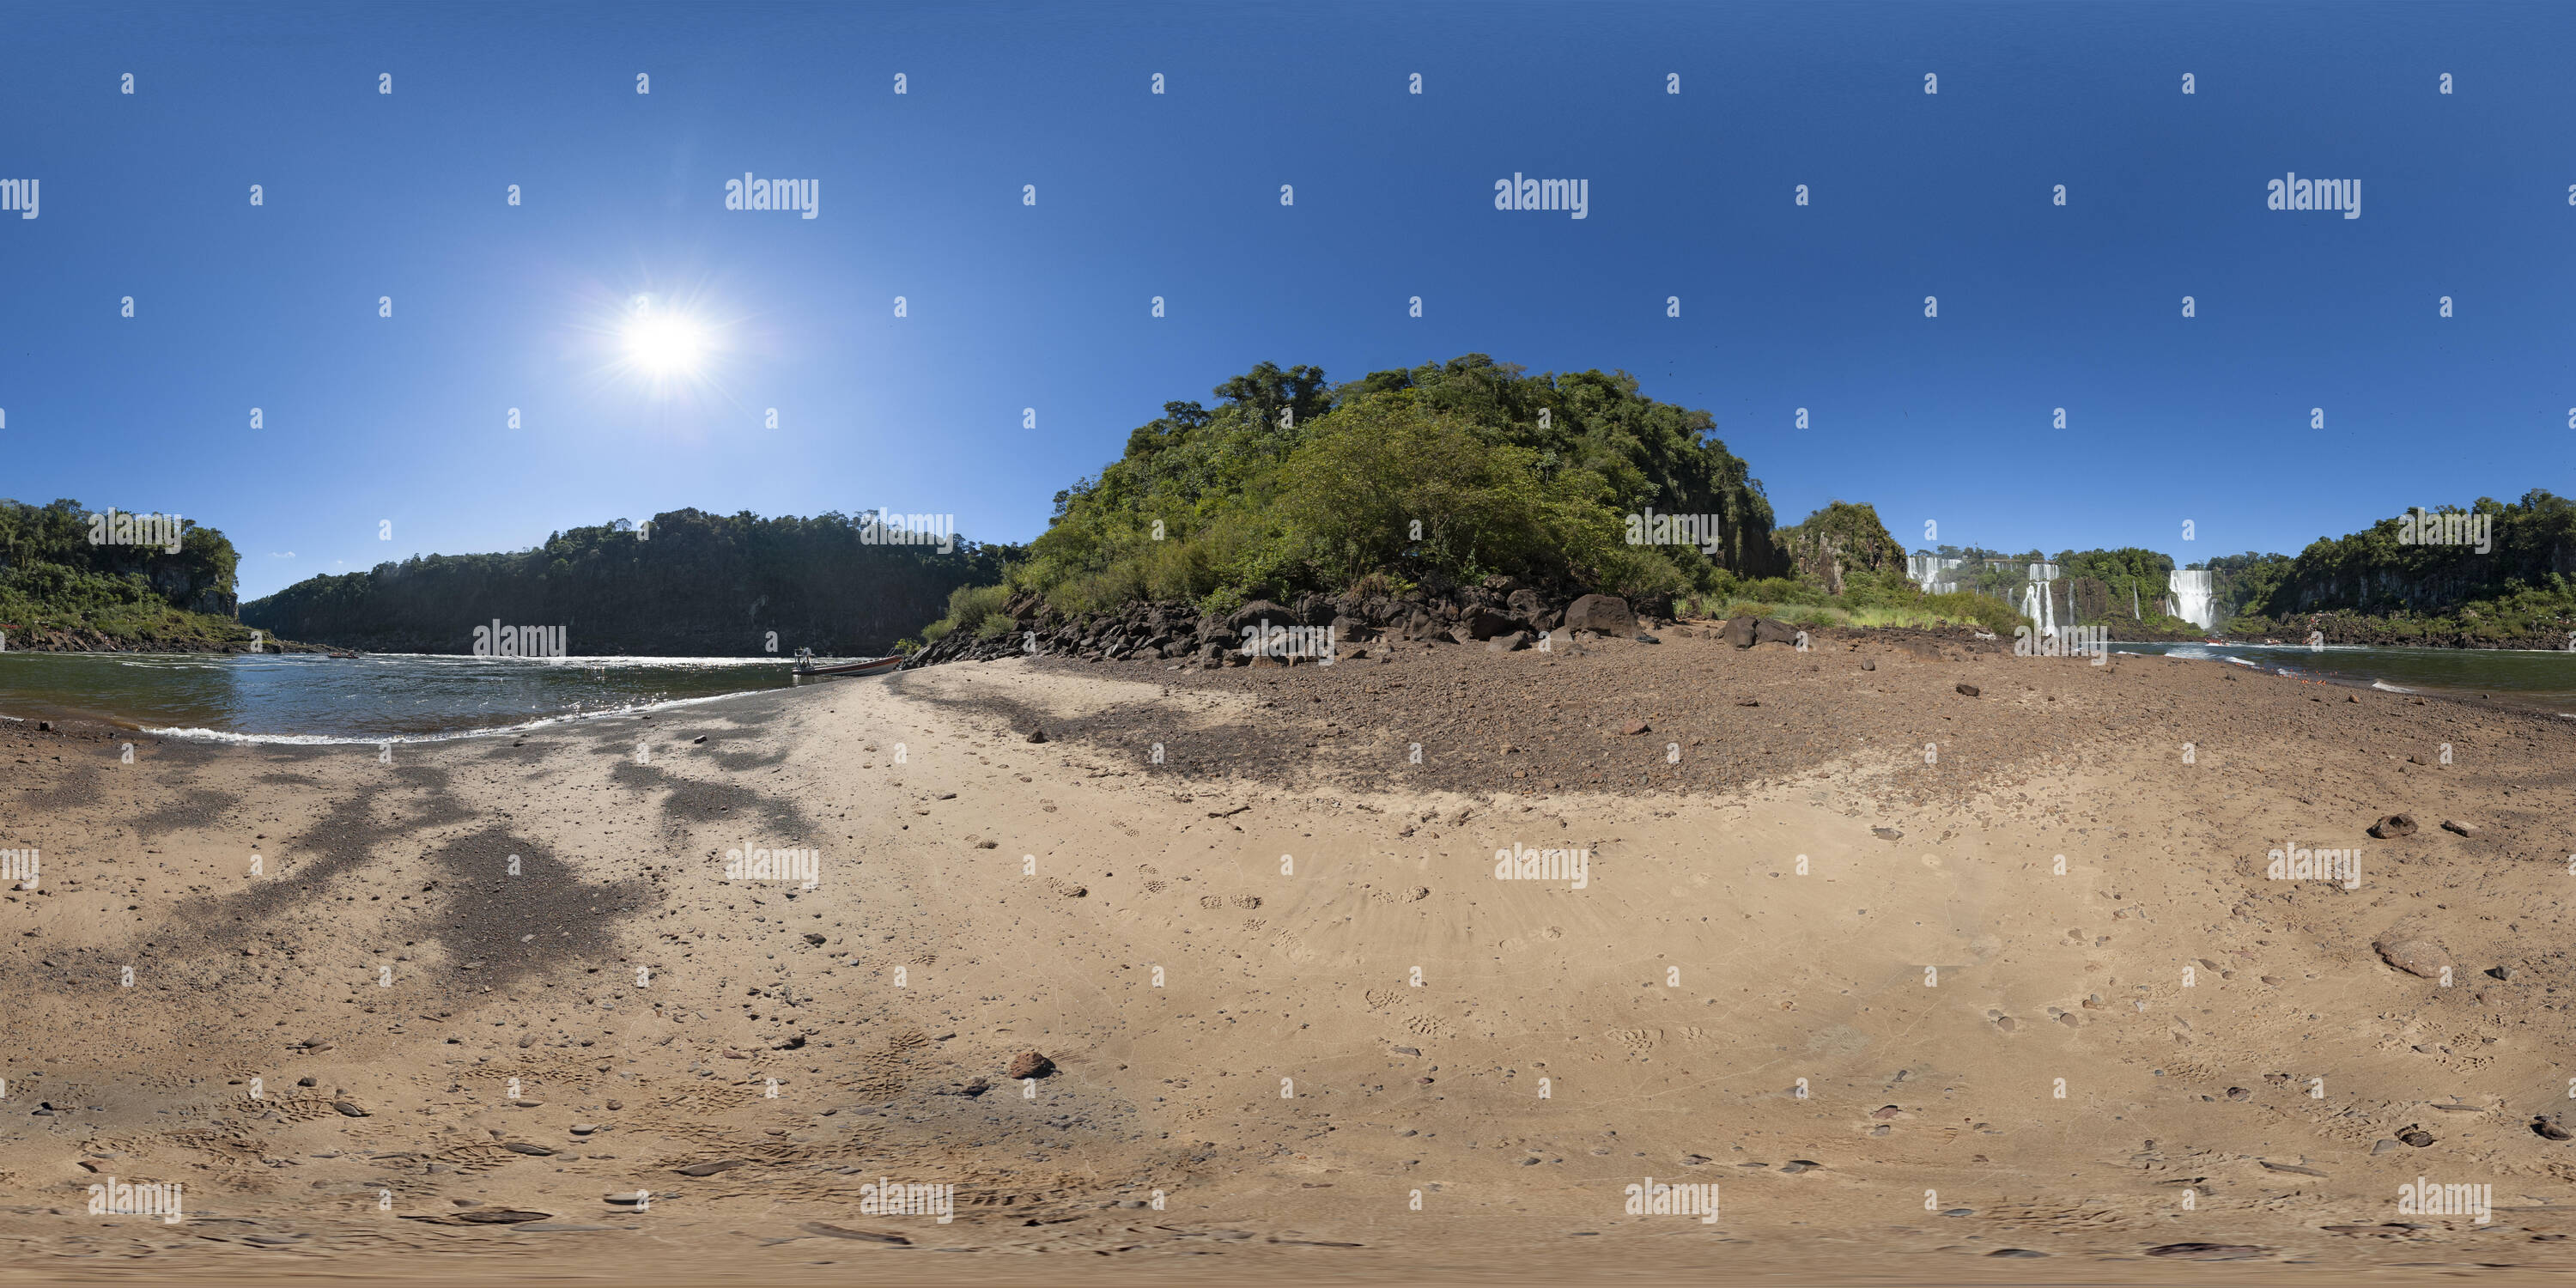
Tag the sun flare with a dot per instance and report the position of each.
(665, 344)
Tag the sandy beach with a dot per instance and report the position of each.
(1925, 985)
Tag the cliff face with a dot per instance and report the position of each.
(2434, 586)
(1840, 539)
(195, 590)
(2408, 565)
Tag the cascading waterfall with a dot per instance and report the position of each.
(2039, 600)
(1931, 572)
(2195, 596)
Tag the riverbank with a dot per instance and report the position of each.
(1251, 918)
(201, 634)
(2556, 634)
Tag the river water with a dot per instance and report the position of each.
(2525, 677)
(309, 698)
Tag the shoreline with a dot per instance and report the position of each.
(2553, 702)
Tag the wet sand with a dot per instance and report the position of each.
(1218, 954)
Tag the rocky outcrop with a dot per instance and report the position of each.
(1497, 608)
(1840, 539)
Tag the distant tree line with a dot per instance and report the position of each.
(699, 585)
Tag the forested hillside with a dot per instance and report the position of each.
(1444, 473)
(701, 585)
(59, 590)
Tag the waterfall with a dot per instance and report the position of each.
(2039, 599)
(1932, 572)
(2194, 596)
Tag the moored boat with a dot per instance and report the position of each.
(806, 665)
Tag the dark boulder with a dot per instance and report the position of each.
(1607, 614)
(1257, 612)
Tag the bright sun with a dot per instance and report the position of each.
(665, 344)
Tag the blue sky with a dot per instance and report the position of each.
(368, 195)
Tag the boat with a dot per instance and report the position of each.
(806, 665)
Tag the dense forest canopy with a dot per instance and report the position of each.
(53, 576)
(1447, 471)
(693, 585)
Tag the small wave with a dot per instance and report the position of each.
(2385, 687)
(2245, 662)
(577, 660)
(224, 737)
